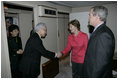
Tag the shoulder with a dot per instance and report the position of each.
(106, 35)
(10, 38)
(35, 38)
(106, 31)
(19, 38)
(83, 34)
(104, 28)
(70, 36)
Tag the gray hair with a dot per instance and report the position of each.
(101, 11)
(40, 26)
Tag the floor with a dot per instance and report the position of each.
(65, 70)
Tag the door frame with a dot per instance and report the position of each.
(5, 62)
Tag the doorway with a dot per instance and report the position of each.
(21, 16)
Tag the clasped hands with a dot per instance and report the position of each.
(20, 51)
(58, 54)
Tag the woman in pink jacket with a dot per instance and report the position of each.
(77, 42)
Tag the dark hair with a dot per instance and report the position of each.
(75, 23)
(13, 27)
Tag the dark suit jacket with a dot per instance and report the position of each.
(99, 54)
(30, 62)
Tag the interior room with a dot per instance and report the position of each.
(56, 15)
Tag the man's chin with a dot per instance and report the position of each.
(43, 36)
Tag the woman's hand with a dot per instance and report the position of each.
(20, 51)
(58, 54)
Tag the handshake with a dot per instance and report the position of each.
(59, 54)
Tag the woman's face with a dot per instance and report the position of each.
(72, 28)
(14, 33)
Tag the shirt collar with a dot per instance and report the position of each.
(39, 35)
(98, 26)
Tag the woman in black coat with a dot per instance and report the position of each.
(15, 49)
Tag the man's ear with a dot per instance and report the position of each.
(98, 17)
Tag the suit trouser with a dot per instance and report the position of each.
(77, 70)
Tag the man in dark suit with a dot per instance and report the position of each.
(34, 49)
(100, 49)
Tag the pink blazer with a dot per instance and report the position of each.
(78, 44)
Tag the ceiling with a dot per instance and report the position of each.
(75, 4)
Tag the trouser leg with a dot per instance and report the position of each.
(77, 69)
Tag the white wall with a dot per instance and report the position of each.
(81, 14)
(25, 25)
(35, 4)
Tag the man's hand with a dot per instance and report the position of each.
(58, 54)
